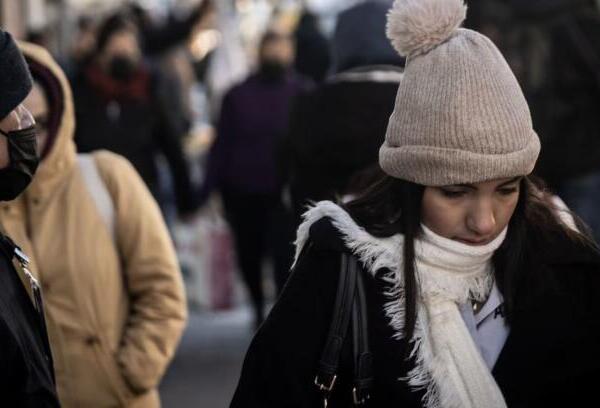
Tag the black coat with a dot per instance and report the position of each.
(26, 372)
(335, 133)
(550, 357)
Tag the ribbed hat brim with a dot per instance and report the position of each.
(435, 166)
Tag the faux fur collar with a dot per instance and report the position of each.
(375, 253)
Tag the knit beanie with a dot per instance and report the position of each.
(15, 80)
(460, 115)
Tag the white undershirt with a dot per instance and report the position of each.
(488, 327)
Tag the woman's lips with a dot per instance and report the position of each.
(474, 242)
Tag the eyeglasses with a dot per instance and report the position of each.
(20, 118)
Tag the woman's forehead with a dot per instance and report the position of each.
(490, 183)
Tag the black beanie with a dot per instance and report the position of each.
(360, 40)
(15, 79)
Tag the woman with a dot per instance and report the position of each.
(478, 293)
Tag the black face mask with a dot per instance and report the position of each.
(272, 71)
(122, 68)
(22, 153)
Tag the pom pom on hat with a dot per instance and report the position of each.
(417, 26)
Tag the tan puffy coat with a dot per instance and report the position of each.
(115, 307)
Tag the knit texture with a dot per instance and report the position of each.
(15, 80)
(460, 115)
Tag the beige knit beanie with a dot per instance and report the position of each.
(460, 115)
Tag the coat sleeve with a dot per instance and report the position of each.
(281, 363)
(158, 312)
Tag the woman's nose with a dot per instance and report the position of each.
(481, 219)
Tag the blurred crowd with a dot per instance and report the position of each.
(186, 113)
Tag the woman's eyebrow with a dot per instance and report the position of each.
(511, 181)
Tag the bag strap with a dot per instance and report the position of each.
(328, 364)
(350, 303)
(363, 364)
(97, 189)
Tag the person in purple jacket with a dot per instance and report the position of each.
(244, 164)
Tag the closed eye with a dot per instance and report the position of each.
(506, 191)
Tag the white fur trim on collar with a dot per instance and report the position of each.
(375, 253)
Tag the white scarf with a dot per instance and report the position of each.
(448, 363)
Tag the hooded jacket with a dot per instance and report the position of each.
(115, 306)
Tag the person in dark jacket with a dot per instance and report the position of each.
(336, 130)
(26, 371)
(244, 164)
(564, 96)
(121, 106)
(480, 290)
(551, 46)
(312, 48)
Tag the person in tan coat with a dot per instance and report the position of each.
(115, 301)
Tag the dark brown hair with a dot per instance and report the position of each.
(113, 25)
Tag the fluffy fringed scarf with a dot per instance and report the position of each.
(448, 363)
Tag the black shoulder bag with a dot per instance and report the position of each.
(350, 303)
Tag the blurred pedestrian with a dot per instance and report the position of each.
(312, 48)
(336, 130)
(551, 46)
(26, 369)
(166, 44)
(121, 105)
(563, 84)
(243, 164)
(115, 300)
(82, 48)
(158, 38)
(458, 282)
